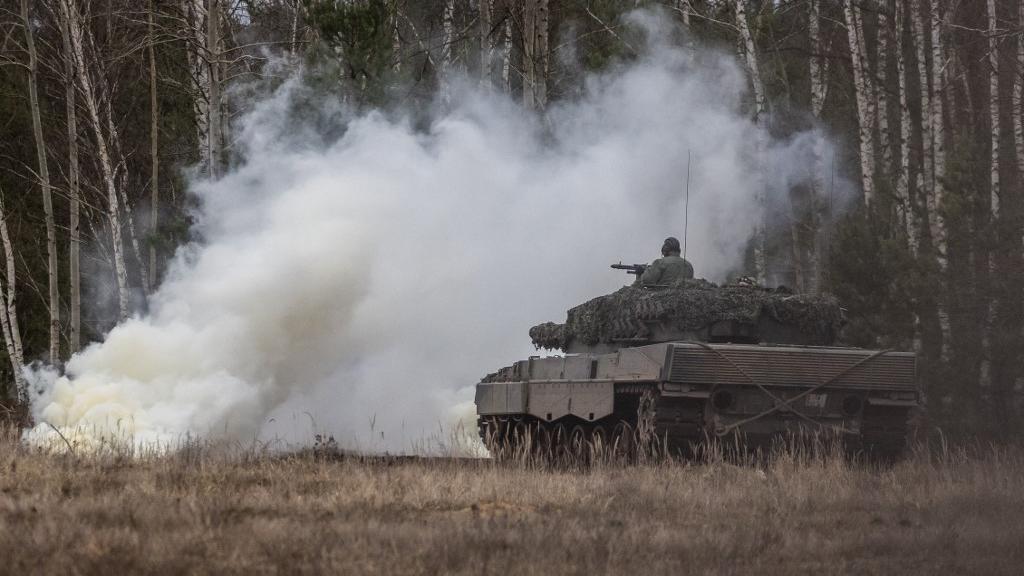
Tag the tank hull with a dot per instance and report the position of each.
(676, 396)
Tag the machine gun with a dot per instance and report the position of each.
(634, 269)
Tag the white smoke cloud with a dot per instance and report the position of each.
(366, 283)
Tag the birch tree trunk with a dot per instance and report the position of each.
(9, 310)
(506, 64)
(44, 182)
(906, 206)
(926, 178)
(486, 46)
(881, 90)
(864, 96)
(750, 58)
(1018, 96)
(540, 55)
(154, 150)
(819, 90)
(214, 105)
(938, 80)
(993, 112)
(74, 229)
(529, 49)
(72, 17)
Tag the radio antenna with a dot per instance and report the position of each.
(686, 208)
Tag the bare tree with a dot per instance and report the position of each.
(749, 50)
(535, 54)
(1018, 94)
(486, 44)
(448, 28)
(818, 71)
(905, 203)
(154, 145)
(44, 181)
(938, 86)
(9, 309)
(506, 54)
(74, 227)
(72, 18)
(864, 93)
(882, 94)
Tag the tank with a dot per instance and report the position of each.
(668, 369)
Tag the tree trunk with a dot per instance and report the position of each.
(9, 311)
(881, 90)
(1018, 97)
(926, 176)
(506, 64)
(529, 49)
(70, 14)
(906, 205)
(74, 231)
(938, 80)
(864, 96)
(749, 50)
(819, 90)
(44, 181)
(154, 151)
(213, 65)
(486, 46)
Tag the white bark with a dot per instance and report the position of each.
(1018, 96)
(926, 177)
(819, 90)
(486, 45)
(214, 108)
(70, 13)
(535, 54)
(44, 182)
(74, 231)
(906, 207)
(749, 49)
(881, 89)
(506, 57)
(9, 310)
(938, 131)
(864, 93)
(993, 113)
(154, 149)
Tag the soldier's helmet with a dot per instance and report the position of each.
(671, 245)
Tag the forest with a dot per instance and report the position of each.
(110, 108)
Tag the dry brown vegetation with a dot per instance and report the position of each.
(206, 510)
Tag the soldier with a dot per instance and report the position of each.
(669, 270)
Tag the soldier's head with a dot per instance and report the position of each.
(670, 247)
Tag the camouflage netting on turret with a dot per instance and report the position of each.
(625, 315)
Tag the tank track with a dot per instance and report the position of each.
(646, 423)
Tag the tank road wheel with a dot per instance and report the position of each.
(494, 434)
(598, 443)
(623, 440)
(646, 417)
(578, 444)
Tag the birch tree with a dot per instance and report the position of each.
(864, 96)
(938, 86)
(69, 13)
(486, 45)
(881, 91)
(818, 72)
(213, 108)
(750, 58)
(905, 203)
(448, 29)
(1018, 95)
(53, 302)
(74, 227)
(154, 145)
(9, 309)
(535, 54)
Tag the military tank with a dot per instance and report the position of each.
(667, 369)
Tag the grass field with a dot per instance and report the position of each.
(204, 510)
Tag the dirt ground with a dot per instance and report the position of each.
(213, 511)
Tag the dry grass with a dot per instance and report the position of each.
(204, 510)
